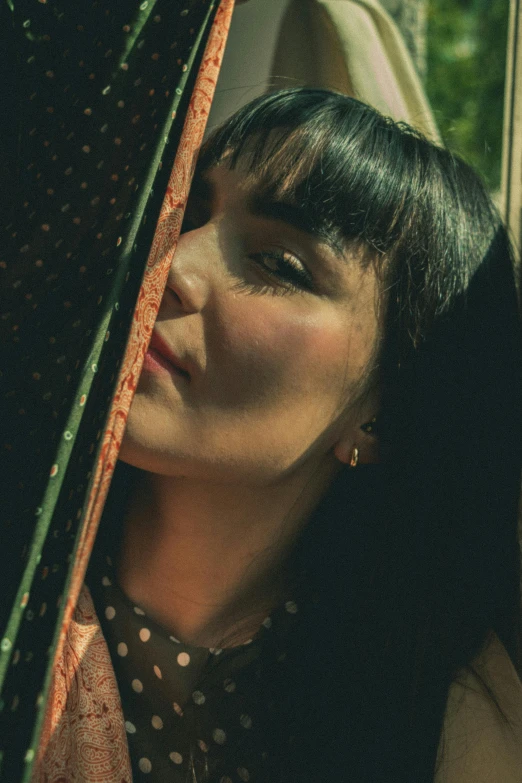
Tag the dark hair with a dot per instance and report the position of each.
(414, 562)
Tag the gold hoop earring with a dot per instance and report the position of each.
(354, 457)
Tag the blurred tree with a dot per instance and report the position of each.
(466, 58)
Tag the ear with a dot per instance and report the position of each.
(361, 447)
(358, 441)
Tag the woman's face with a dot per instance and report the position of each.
(275, 329)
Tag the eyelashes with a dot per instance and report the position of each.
(285, 268)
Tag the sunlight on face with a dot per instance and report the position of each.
(272, 331)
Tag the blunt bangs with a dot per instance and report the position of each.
(335, 157)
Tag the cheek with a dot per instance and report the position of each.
(270, 349)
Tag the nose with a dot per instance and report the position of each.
(192, 271)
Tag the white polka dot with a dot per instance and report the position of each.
(139, 611)
(106, 582)
(243, 773)
(156, 721)
(246, 721)
(229, 685)
(225, 779)
(144, 634)
(215, 650)
(110, 612)
(267, 622)
(177, 709)
(130, 727)
(198, 697)
(145, 765)
(203, 746)
(291, 607)
(248, 641)
(157, 672)
(173, 639)
(137, 686)
(219, 736)
(177, 758)
(183, 659)
(122, 649)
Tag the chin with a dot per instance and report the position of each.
(144, 454)
(139, 454)
(132, 455)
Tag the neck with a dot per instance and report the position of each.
(197, 556)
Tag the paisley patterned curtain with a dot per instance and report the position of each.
(105, 105)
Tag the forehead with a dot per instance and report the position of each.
(278, 156)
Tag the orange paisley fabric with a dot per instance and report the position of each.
(83, 736)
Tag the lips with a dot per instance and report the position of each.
(161, 352)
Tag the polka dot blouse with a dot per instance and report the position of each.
(191, 713)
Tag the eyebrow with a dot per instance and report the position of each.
(304, 218)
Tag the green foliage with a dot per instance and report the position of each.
(467, 42)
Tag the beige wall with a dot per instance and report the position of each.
(348, 45)
(248, 57)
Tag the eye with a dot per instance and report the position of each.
(284, 267)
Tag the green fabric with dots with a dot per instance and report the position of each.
(95, 93)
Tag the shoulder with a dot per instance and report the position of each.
(482, 742)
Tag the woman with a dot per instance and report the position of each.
(316, 572)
